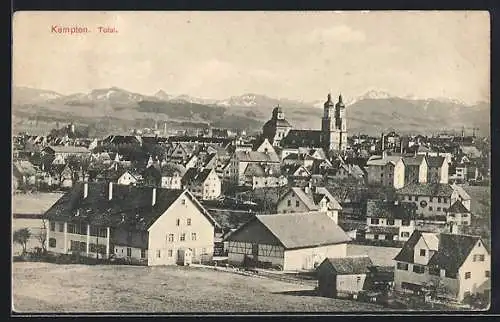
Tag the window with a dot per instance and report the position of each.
(464, 215)
(92, 247)
(75, 245)
(375, 237)
(61, 227)
(418, 269)
(374, 221)
(481, 258)
(193, 236)
(430, 208)
(183, 237)
(416, 198)
(405, 222)
(183, 201)
(445, 200)
(467, 275)
(178, 222)
(289, 203)
(422, 252)
(204, 251)
(405, 234)
(409, 198)
(465, 222)
(390, 222)
(83, 246)
(439, 199)
(158, 253)
(52, 226)
(103, 232)
(188, 221)
(170, 237)
(438, 208)
(297, 203)
(170, 253)
(129, 252)
(52, 242)
(402, 266)
(486, 273)
(358, 279)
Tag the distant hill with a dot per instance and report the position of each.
(370, 113)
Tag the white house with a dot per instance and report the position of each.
(389, 220)
(127, 178)
(149, 225)
(241, 159)
(460, 264)
(299, 200)
(437, 169)
(203, 183)
(292, 242)
(386, 170)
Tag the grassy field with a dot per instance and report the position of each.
(43, 287)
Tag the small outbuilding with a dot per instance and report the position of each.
(343, 276)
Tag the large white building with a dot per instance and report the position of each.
(154, 226)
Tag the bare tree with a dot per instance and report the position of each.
(42, 236)
(21, 237)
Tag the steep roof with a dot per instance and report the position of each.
(427, 189)
(461, 192)
(299, 230)
(350, 265)
(457, 208)
(195, 177)
(431, 240)
(435, 161)
(453, 251)
(388, 209)
(254, 156)
(129, 205)
(413, 161)
(406, 254)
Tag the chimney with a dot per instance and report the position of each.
(85, 190)
(110, 191)
(153, 201)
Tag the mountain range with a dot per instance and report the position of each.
(371, 113)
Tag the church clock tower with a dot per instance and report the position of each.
(334, 125)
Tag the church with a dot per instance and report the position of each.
(332, 136)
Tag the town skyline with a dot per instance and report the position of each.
(240, 59)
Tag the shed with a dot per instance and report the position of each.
(343, 276)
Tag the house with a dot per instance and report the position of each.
(308, 199)
(457, 264)
(65, 151)
(437, 169)
(171, 175)
(470, 151)
(386, 170)
(347, 171)
(128, 178)
(343, 276)
(144, 224)
(151, 176)
(457, 215)
(241, 159)
(458, 172)
(389, 220)
(264, 146)
(433, 199)
(203, 183)
(292, 242)
(416, 169)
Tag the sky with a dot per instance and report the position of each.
(294, 55)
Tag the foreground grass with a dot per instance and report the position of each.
(44, 287)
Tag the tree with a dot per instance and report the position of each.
(42, 236)
(21, 237)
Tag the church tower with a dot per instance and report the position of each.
(334, 125)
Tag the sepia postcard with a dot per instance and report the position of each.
(259, 161)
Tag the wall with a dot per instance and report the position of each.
(434, 204)
(399, 175)
(166, 224)
(173, 182)
(349, 284)
(422, 260)
(121, 252)
(283, 207)
(305, 258)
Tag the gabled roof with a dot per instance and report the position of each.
(406, 254)
(413, 161)
(376, 208)
(435, 162)
(312, 198)
(453, 251)
(461, 192)
(68, 149)
(350, 265)
(457, 208)
(427, 189)
(254, 156)
(129, 205)
(193, 176)
(431, 240)
(300, 230)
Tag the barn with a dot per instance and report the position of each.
(291, 242)
(343, 276)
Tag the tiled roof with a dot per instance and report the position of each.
(413, 161)
(350, 265)
(129, 205)
(435, 162)
(388, 209)
(427, 189)
(302, 138)
(461, 192)
(382, 230)
(457, 208)
(453, 251)
(406, 253)
(334, 204)
(299, 230)
(254, 156)
(195, 177)
(69, 149)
